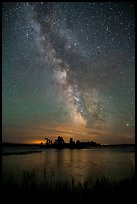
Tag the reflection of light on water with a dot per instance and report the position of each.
(132, 158)
(66, 164)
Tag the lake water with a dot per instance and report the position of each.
(64, 164)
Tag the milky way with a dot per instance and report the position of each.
(68, 68)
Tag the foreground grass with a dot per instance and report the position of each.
(53, 190)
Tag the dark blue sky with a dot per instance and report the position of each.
(68, 69)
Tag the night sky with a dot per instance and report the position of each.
(68, 69)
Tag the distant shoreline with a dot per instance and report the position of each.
(10, 148)
(66, 146)
(23, 144)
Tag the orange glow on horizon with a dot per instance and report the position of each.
(37, 141)
(37, 134)
(77, 132)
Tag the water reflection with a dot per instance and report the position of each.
(79, 164)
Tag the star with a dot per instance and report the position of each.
(67, 65)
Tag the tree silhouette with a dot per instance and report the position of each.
(71, 141)
(48, 141)
(77, 142)
(59, 140)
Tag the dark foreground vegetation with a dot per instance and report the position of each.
(67, 191)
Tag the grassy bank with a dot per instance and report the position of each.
(52, 190)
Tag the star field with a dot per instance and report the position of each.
(68, 69)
